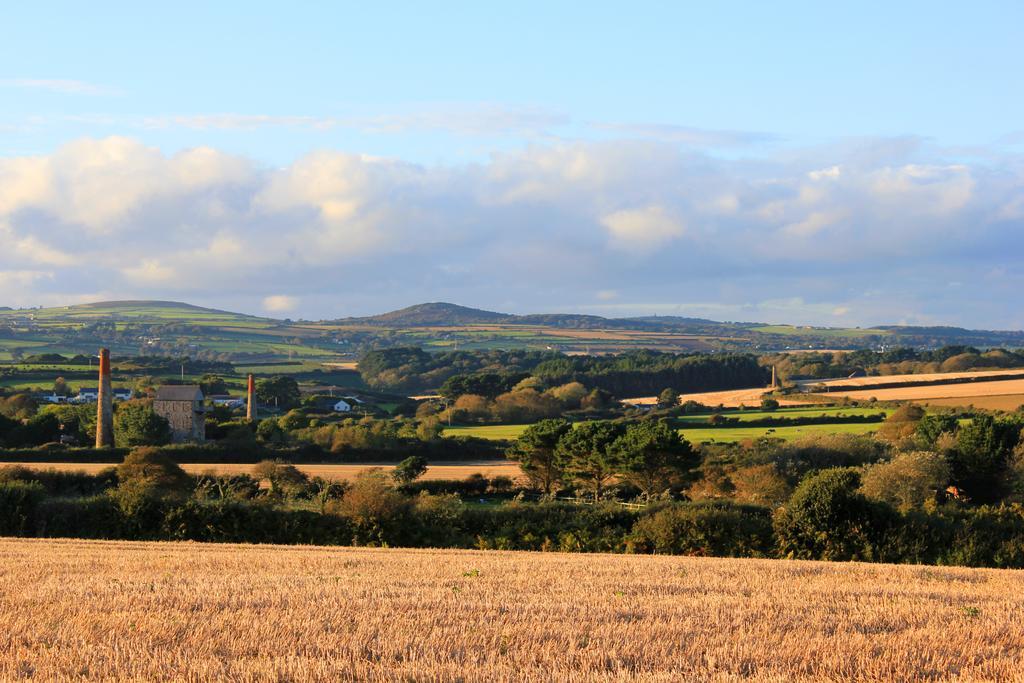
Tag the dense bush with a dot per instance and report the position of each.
(719, 530)
(827, 518)
(19, 501)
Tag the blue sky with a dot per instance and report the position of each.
(876, 146)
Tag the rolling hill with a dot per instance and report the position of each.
(181, 329)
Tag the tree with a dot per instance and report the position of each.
(828, 519)
(280, 391)
(909, 481)
(293, 419)
(19, 406)
(376, 510)
(535, 452)
(269, 431)
(932, 426)
(569, 394)
(651, 454)
(211, 384)
(409, 470)
(770, 404)
(902, 424)
(760, 485)
(286, 480)
(979, 462)
(60, 387)
(148, 474)
(470, 407)
(526, 405)
(586, 455)
(429, 429)
(668, 398)
(136, 424)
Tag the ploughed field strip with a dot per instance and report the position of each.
(185, 611)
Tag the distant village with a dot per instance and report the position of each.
(184, 406)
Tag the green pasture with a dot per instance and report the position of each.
(698, 435)
(840, 333)
(808, 411)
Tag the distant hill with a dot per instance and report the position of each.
(435, 314)
(171, 328)
(144, 309)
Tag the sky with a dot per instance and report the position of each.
(816, 163)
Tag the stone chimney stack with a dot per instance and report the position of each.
(104, 405)
(775, 379)
(250, 402)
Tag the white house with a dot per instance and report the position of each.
(87, 395)
(228, 401)
(342, 407)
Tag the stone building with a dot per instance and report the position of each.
(182, 406)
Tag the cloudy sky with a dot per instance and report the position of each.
(738, 161)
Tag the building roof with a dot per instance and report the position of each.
(179, 392)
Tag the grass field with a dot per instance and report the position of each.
(805, 411)
(694, 435)
(439, 470)
(102, 610)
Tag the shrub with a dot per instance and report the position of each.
(378, 513)
(828, 519)
(147, 474)
(286, 480)
(719, 530)
(908, 481)
(409, 470)
(136, 424)
(19, 501)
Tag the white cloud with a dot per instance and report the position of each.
(620, 221)
(280, 303)
(640, 230)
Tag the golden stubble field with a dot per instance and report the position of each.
(729, 398)
(165, 611)
(334, 472)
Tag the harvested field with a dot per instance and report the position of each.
(1008, 402)
(452, 470)
(963, 392)
(731, 398)
(836, 384)
(186, 611)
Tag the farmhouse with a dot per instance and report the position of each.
(342, 406)
(87, 395)
(182, 406)
(91, 395)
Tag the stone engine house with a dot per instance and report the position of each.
(182, 406)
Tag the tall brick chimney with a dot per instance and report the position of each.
(250, 403)
(104, 405)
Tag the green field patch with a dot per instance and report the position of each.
(699, 435)
(801, 412)
(791, 330)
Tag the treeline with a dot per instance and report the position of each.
(826, 518)
(413, 369)
(644, 373)
(489, 373)
(898, 361)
